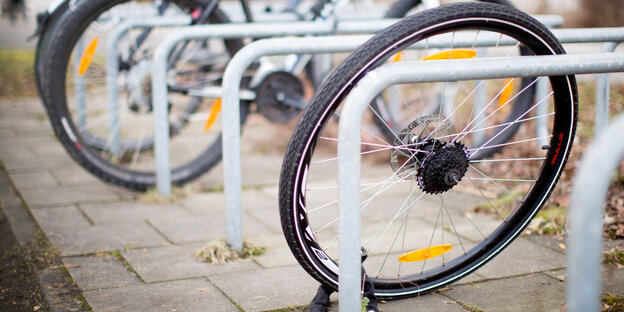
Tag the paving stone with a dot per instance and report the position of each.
(268, 289)
(536, 292)
(259, 170)
(63, 195)
(74, 175)
(33, 152)
(52, 219)
(6, 133)
(178, 262)
(83, 240)
(552, 242)
(429, 302)
(25, 128)
(612, 278)
(185, 295)
(18, 158)
(202, 228)
(522, 257)
(265, 209)
(33, 179)
(129, 212)
(99, 271)
(205, 203)
(276, 254)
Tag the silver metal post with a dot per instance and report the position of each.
(80, 86)
(602, 94)
(541, 129)
(589, 192)
(112, 69)
(231, 95)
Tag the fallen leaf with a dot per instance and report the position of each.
(562, 246)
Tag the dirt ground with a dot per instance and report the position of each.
(19, 289)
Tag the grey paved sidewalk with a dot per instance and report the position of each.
(128, 255)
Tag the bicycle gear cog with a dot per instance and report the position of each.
(413, 144)
(443, 168)
(280, 97)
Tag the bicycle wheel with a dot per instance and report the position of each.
(45, 25)
(390, 112)
(431, 213)
(114, 139)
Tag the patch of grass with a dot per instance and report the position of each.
(612, 303)
(550, 221)
(17, 73)
(502, 204)
(218, 252)
(615, 256)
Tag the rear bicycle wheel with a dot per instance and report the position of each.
(114, 139)
(391, 114)
(431, 212)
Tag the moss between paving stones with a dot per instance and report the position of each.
(612, 303)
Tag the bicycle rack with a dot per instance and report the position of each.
(390, 74)
(585, 216)
(112, 69)
(254, 30)
(231, 82)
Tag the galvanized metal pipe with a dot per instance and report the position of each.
(231, 112)
(589, 192)
(112, 69)
(159, 70)
(541, 128)
(602, 94)
(374, 82)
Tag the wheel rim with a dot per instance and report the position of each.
(474, 248)
(126, 150)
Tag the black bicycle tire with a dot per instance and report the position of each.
(43, 45)
(398, 10)
(64, 40)
(345, 77)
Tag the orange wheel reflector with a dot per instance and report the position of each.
(451, 55)
(87, 57)
(397, 57)
(213, 114)
(506, 93)
(425, 253)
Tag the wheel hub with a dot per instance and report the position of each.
(443, 168)
(436, 164)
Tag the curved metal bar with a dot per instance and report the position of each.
(589, 192)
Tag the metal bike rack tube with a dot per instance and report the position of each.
(231, 111)
(159, 72)
(589, 192)
(112, 69)
(602, 94)
(431, 71)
